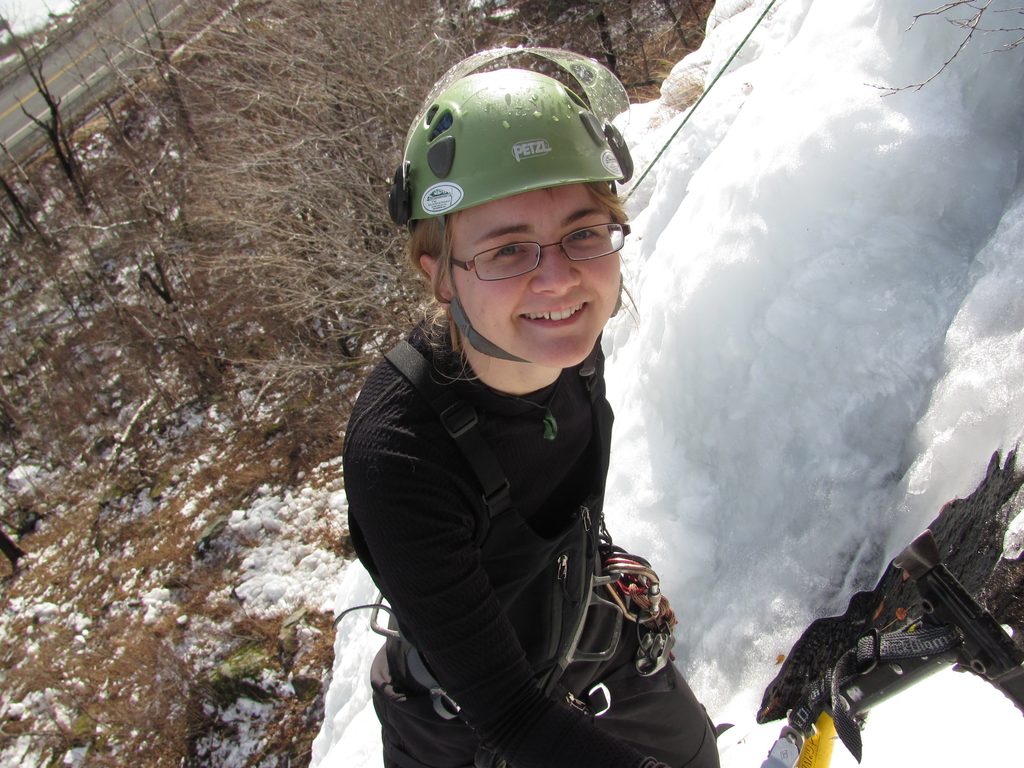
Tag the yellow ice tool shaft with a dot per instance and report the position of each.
(817, 750)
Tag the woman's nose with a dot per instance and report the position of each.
(555, 271)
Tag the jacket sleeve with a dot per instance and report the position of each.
(412, 503)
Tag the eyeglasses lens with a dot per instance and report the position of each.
(516, 259)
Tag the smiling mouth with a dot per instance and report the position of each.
(561, 314)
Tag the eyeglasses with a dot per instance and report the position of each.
(514, 259)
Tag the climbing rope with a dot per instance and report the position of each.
(702, 96)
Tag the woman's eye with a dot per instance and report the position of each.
(511, 250)
(582, 234)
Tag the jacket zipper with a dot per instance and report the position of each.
(558, 598)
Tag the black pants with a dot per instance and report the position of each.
(657, 715)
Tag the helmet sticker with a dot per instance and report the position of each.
(610, 163)
(532, 148)
(441, 197)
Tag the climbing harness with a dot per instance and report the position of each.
(594, 590)
(461, 421)
(693, 109)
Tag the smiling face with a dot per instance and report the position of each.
(551, 316)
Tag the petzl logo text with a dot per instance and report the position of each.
(530, 148)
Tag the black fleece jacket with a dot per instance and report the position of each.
(412, 511)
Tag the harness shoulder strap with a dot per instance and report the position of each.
(460, 420)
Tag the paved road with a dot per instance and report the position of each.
(79, 69)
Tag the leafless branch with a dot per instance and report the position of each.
(970, 24)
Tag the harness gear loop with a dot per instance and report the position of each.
(635, 589)
(600, 699)
(375, 608)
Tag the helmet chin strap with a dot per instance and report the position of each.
(488, 347)
(478, 342)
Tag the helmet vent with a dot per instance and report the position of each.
(442, 125)
(441, 155)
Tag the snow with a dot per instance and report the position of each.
(829, 345)
(45, 612)
(1013, 544)
(156, 601)
(281, 573)
(30, 15)
(248, 719)
(278, 537)
(24, 478)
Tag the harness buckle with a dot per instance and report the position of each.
(443, 705)
(459, 418)
(499, 497)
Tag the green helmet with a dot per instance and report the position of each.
(487, 135)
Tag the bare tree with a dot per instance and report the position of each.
(160, 52)
(21, 219)
(604, 29)
(55, 127)
(304, 128)
(10, 550)
(970, 25)
(18, 220)
(677, 25)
